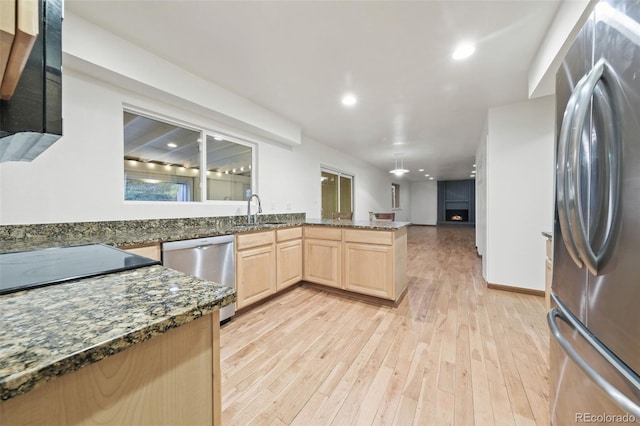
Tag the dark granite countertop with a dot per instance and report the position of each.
(123, 235)
(379, 225)
(83, 321)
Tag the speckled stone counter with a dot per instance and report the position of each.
(55, 330)
(380, 225)
(128, 233)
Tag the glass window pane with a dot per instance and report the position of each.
(329, 194)
(345, 194)
(229, 167)
(161, 160)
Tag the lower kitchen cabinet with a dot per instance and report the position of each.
(288, 257)
(323, 257)
(375, 262)
(368, 262)
(368, 269)
(255, 267)
(548, 274)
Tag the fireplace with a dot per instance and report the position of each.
(457, 215)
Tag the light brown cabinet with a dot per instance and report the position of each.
(368, 269)
(288, 257)
(369, 262)
(255, 267)
(375, 262)
(548, 274)
(323, 256)
(152, 251)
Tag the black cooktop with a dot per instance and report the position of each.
(37, 268)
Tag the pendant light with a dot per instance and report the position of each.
(399, 171)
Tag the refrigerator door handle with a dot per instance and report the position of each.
(614, 393)
(577, 222)
(561, 173)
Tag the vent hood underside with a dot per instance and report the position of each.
(31, 119)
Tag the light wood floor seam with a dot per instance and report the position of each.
(452, 352)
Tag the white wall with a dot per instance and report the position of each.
(519, 188)
(481, 199)
(424, 203)
(80, 178)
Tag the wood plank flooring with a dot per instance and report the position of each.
(453, 351)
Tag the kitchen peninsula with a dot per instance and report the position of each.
(139, 346)
(142, 346)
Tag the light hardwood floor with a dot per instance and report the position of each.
(452, 352)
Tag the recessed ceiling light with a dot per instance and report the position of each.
(398, 143)
(218, 138)
(427, 175)
(472, 176)
(431, 178)
(474, 165)
(172, 145)
(463, 51)
(349, 100)
(421, 170)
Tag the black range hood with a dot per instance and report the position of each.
(31, 117)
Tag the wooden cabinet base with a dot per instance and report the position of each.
(355, 295)
(170, 379)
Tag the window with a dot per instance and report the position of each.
(395, 196)
(337, 193)
(163, 162)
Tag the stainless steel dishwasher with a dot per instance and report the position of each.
(211, 259)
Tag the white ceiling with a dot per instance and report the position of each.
(297, 58)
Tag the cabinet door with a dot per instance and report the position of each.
(289, 264)
(255, 274)
(322, 262)
(368, 269)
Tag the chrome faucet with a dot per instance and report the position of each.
(255, 216)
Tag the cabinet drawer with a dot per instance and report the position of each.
(323, 233)
(368, 237)
(244, 241)
(288, 234)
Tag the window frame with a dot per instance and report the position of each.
(395, 196)
(211, 128)
(339, 173)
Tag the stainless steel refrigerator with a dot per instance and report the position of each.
(595, 316)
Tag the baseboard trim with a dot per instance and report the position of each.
(521, 290)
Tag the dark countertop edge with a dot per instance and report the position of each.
(548, 235)
(30, 379)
